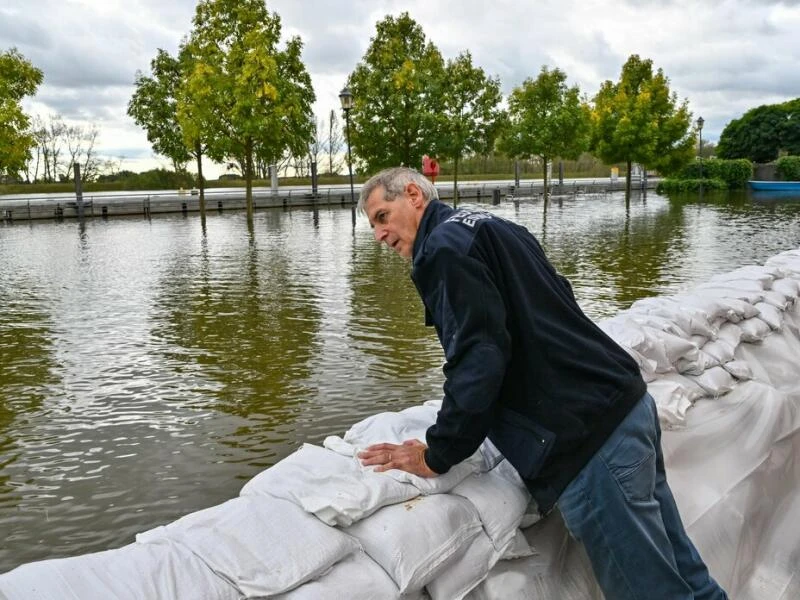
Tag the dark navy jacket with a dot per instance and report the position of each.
(524, 365)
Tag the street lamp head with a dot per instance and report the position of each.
(700, 122)
(346, 98)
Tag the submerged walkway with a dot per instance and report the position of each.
(58, 206)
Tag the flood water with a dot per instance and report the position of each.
(149, 368)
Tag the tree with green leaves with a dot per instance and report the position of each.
(547, 119)
(154, 106)
(762, 133)
(246, 97)
(638, 120)
(18, 78)
(469, 115)
(397, 88)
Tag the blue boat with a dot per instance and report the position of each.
(775, 186)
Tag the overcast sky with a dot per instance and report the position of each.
(723, 56)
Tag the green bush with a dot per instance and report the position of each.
(788, 168)
(680, 185)
(734, 173)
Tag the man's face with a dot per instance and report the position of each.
(396, 221)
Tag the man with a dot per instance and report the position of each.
(524, 366)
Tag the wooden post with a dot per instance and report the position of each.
(78, 190)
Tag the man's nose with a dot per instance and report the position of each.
(379, 233)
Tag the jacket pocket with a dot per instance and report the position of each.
(525, 443)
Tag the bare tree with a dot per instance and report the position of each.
(50, 138)
(35, 161)
(334, 144)
(80, 146)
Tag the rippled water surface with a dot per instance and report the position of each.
(149, 368)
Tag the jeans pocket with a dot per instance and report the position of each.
(635, 473)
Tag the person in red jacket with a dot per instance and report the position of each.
(525, 367)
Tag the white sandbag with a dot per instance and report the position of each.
(159, 571)
(730, 333)
(705, 304)
(262, 545)
(393, 427)
(467, 572)
(501, 500)
(337, 489)
(748, 291)
(720, 350)
(397, 427)
(658, 322)
(356, 577)
(417, 540)
(715, 381)
(770, 315)
(763, 275)
(625, 332)
(754, 330)
(778, 300)
(739, 369)
(788, 261)
(700, 363)
(691, 320)
(673, 395)
(788, 287)
(738, 310)
(675, 347)
(646, 366)
(559, 570)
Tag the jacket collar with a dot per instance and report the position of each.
(436, 212)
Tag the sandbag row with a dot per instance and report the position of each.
(686, 345)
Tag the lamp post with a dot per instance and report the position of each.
(700, 122)
(346, 98)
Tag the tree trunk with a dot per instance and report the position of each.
(248, 175)
(628, 183)
(544, 179)
(198, 151)
(455, 182)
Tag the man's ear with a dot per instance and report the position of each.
(415, 195)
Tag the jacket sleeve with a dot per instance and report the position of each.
(470, 318)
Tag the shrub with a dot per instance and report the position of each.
(788, 168)
(679, 185)
(734, 173)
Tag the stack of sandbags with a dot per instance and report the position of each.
(732, 460)
(318, 524)
(685, 345)
(438, 537)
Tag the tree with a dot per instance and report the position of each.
(80, 146)
(18, 78)
(638, 120)
(547, 119)
(334, 144)
(397, 88)
(762, 133)
(154, 107)
(246, 97)
(469, 113)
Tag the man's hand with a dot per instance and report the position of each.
(409, 457)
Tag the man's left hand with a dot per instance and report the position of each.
(409, 457)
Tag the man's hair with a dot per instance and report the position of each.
(394, 182)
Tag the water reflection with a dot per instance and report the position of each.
(149, 366)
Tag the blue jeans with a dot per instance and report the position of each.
(622, 510)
